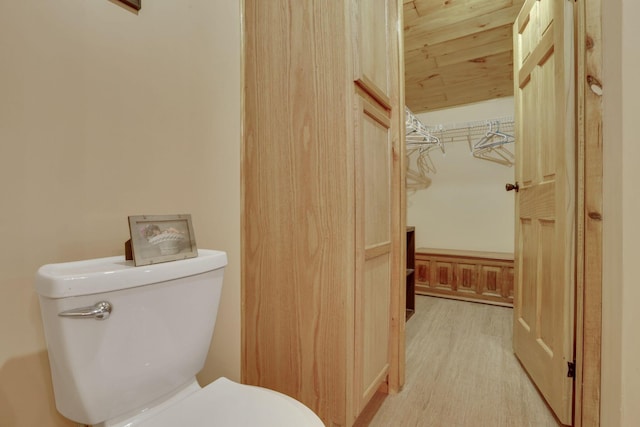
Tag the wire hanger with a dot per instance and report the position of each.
(420, 142)
(418, 135)
(493, 138)
(492, 146)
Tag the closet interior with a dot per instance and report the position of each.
(459, 123)
(487, 139)
(454, 256)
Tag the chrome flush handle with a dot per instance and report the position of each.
(100, 311)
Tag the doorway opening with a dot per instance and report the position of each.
(588, 276)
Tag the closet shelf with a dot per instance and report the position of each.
(487, 140)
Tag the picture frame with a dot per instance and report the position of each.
(135, 4)
(161, 238)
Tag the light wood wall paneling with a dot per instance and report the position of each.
(378, 210)
(323, 305)
(298, 253)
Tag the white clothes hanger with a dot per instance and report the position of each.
(493, 138)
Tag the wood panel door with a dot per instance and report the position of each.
(373, 48)
(373, 249)
(543, 333)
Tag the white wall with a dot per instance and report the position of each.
(466, 205)
(621, 233)
(105, 113)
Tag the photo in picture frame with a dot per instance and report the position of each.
(161, 238)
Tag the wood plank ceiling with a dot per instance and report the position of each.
(457, 51)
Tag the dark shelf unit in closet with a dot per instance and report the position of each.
(411, 272)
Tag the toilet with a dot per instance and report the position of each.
(126, 342)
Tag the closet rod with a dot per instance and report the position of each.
(478, 125)
(467, 131)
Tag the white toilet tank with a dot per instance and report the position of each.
(151, 344)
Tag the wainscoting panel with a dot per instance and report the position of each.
(467, 275)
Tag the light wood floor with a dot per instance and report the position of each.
(461, 371)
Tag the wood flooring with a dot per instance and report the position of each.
(460, 371)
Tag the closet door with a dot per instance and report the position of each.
(373, 49)
(373, 249)
(543, 330)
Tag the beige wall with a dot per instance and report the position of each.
(621, 290)
(466, 205)
(104, 114)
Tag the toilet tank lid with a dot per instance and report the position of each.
(100, 275)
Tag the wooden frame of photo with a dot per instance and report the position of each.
(136, 4)
(161, 238)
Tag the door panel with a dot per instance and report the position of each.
(371, 62)
(374, 162)
(377, 192)
(543, 333)
(376, 299)
(525, 287)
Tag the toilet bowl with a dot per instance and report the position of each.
(126, 342)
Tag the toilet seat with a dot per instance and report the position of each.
(225, 403)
